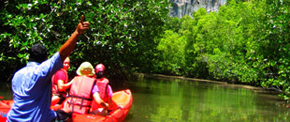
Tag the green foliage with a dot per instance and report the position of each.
(274, 45)
(121, 34)
(171, 57)
(245, 42)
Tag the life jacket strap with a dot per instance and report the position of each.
(72, 96)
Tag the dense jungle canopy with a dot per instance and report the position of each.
(121, 34)
(246, 41)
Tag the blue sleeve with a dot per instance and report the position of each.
(47, 68)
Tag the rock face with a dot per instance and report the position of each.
(179, 8)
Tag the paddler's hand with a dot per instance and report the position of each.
(82, 26)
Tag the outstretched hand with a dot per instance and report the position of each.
(70, 44)
(82, 26)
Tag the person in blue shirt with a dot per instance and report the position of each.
(32, 87)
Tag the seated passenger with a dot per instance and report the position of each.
(60, 83)
(105, 91)
(81, 93)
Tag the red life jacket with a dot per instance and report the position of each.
(55, 82)
(80, 95)
(103, 88)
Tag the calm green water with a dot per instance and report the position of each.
(187, 101)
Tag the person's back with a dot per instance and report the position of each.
(80, 94)
(105, 90)
(31, 85)
(33, 98)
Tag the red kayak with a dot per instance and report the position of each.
(122, 98)
(5, 106)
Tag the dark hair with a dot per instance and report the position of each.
(38, 53)
(100, 74)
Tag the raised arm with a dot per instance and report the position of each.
(70, 44)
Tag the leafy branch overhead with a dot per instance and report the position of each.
(120, 31)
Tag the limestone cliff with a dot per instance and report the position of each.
(179, 8)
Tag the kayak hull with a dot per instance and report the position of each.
(5, 106)
(122, 98)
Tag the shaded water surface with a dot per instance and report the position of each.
(179, 100)
(156, 100)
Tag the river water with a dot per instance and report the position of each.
(175, 100)
(190, 101)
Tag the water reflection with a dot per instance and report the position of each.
(187, 101)
(177, 100)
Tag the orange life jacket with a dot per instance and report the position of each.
(103, 88)
(55, 82)
(80, 95)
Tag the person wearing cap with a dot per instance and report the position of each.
(32, 87)
(105, 90)
(83, 92)
(60, 83)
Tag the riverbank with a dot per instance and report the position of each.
(269, 93)
(252, 88)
